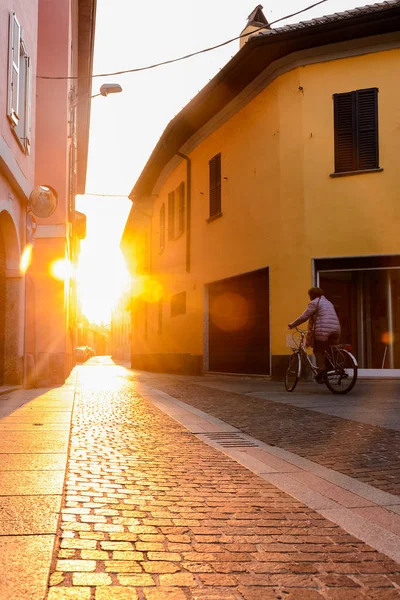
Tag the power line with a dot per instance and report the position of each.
(107, 195)
(174, 60)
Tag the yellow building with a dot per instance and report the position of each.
(282, 173)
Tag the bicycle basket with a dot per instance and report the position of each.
(293, 340)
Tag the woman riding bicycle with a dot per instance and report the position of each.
(323, 327)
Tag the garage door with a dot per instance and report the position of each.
(239, 324)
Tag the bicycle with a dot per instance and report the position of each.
(342, 366)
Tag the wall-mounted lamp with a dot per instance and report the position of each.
(105, 89)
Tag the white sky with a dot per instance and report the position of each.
(126, 127)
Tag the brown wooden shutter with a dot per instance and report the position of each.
(345, 132)
(356, 131)
(171, 216)
(162, 227)
(367, 129)
(215, 185)
(181, 208)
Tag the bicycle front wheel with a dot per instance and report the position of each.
(344, 376)
(293, 372)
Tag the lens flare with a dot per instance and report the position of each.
(26, 258)
(61, 269)
(230, 312)
(388, 338)
(153, 291)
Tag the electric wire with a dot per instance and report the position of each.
(186, 56)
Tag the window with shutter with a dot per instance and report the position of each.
(171, 216)
(356, 131)
(162, 228)
(13, 68)
(19, 85)
(178, 304)
(215, 185)
(160, 315)
(181, 208)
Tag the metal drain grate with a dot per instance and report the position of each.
(230, 440)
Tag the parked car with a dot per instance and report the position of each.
(81, 354)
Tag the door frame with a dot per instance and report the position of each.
(206, 321)
(393, 259)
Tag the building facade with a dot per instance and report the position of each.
(121, 329)
(43, 142)
(281, 174)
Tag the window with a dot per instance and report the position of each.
(176, 212)
(215, 186)
(178, 304)
(356, 131)
(180, 193)
(19, 85)
(160, 315)
(171, 216)
(162, 228)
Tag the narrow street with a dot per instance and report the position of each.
(155, 510)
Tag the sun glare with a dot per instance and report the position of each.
(101, 284)
(61, 269)
(26, 258)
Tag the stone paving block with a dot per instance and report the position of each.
(127, 555)
(64, 593)
(381, 517)
(76, 565)
(37, 416)
(178, 580)
(33, 462)
(27, 515)
(91, 579)
(24, 566)
(164, 594)
(122, 566)
(28, 483)
(115, 593)
(140, 580)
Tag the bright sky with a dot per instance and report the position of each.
(125, 127)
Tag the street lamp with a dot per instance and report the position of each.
(105, 90)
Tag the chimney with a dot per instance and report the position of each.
(255, 20)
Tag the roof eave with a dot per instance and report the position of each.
(86, 34)
(241, 70)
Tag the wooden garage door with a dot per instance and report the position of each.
(239, 324)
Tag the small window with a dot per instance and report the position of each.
(178, 304)
(162, 228)
(171, 216)
(215, 186)
(160, 315)
(19, 85)
(180, 193)
(356, 131)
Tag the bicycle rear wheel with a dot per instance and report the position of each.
(343, 378)
(293, 372)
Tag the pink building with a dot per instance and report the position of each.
(44, 128)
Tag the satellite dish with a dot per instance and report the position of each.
(43, 201)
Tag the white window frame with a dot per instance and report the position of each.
(13, 68)
(19, 85)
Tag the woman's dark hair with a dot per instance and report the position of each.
(315, 292)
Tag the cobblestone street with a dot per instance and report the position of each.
(152, 513)
(366, 452)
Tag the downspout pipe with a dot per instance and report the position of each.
(188, 206)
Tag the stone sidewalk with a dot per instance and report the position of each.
(34, 434)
